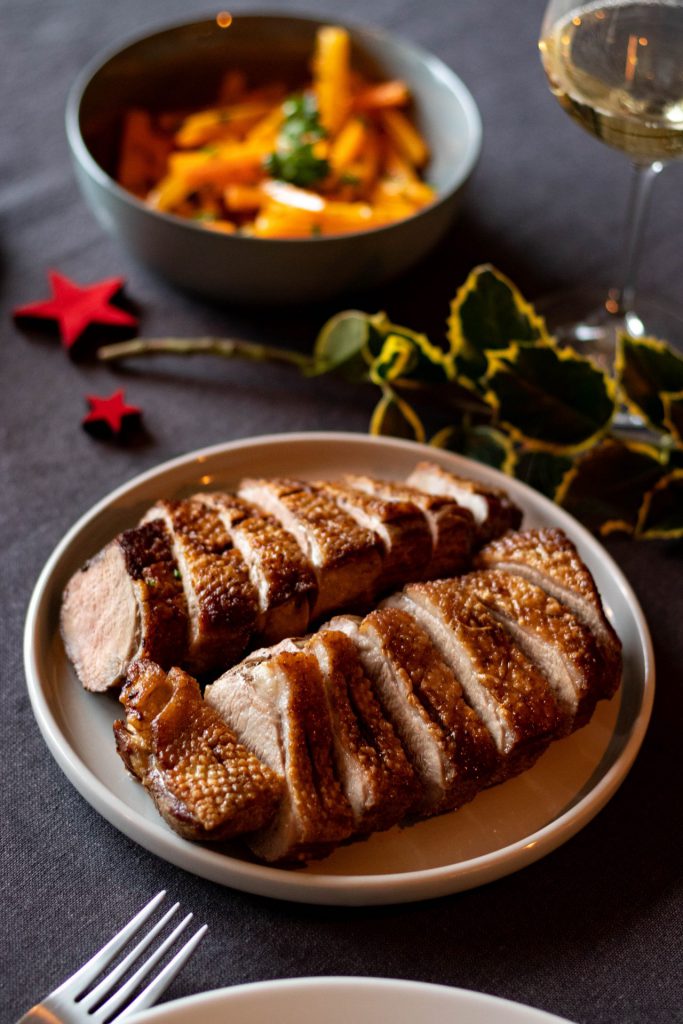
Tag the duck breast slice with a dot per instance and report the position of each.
(205, 784)
(125, 603)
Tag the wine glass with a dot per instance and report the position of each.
(616, 66)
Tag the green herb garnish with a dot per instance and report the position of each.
(294, 159)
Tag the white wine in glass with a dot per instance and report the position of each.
(616, 66)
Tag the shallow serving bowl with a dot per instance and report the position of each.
(182, 65)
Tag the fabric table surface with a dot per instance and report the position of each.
(593, 931)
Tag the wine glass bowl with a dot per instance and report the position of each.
(615, 67)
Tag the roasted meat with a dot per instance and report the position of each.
(448, 687)
(510, 695)
(275, 703)
(547, 558)
(493, 511)
(450, 525)
(204, 783)
(125, 603)
(346, 557)
(205, 579)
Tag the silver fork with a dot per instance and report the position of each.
(71, 1003)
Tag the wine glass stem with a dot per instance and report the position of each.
(639, 200)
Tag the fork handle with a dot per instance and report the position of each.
(39, 1015)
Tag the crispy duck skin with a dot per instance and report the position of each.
(447, 688)
(547, 558)
(205, 784)
(125, 603)
(549, 634)
(275, 703)
(280, 572)
(451, 526)
(451, 751)
(494, 513)
(401, 526)
(346, 557)
(221, 599)
(372, 767)
(510, 695)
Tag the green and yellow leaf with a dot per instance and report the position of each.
(482, 443)
(549, 399)
(661, 514)
(487, 314)
(672, 404)
(544, 471)
(645, 369)
(394, 416)
(605, 488)
(395, 360)
(428, 362)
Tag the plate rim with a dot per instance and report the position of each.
(365, 889)
(460, 997)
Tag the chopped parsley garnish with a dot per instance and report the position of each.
(294, 159)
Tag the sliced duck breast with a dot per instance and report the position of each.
(274, 702)
(205, 784)
(278, 569)
(550, 636)
(509, 694)
(221, 599)
(373, 769)
(400, 525)
(494, 513)
(547, 558)
(125, 603)
(346, 558)
(451, 527)
(450, 751)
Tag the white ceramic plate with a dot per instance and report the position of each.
(339, 1000)
(502, 830)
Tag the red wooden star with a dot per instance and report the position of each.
(76, 306)
(107, 415)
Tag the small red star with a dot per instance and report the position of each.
(76, 306)
(109, 413)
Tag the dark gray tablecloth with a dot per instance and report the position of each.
(592, 932)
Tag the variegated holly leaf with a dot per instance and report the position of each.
(605, 489)
(661, 514)
(427, 363)
(544, 471)
(341, 344)
(672, 404)
(645, 368)
(395, 417)
(482, 443)
(549, 399)
(487, 314)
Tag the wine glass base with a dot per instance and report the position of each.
(588, 319)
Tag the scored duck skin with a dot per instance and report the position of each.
(207, 578)
(205, 784)
(451, 526)
(491, 507)
(346, 557)
(280, 572)
(274, 701)
(547, 558)
(447, 688)
(510, 695)
(549, 635)
(221, 599)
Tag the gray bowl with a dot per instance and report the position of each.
(182, 65)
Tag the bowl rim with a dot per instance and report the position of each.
(437, 67)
